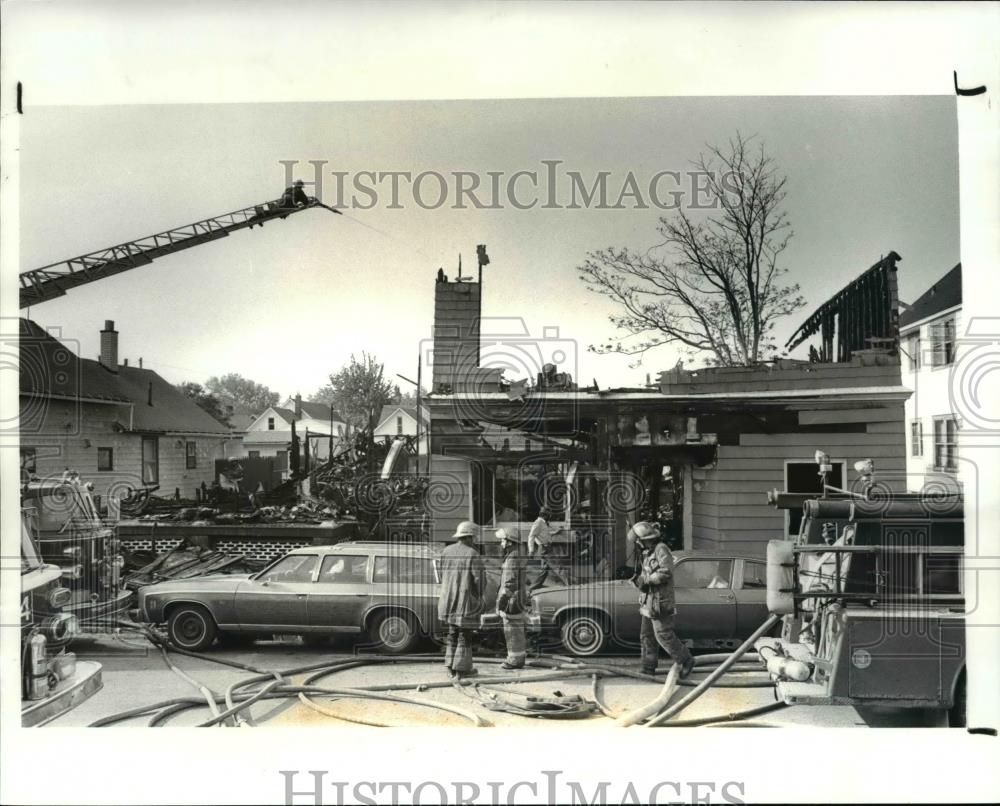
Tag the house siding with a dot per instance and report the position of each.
(60, 430)
(729, 501)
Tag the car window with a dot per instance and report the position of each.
(408, 570)
(703, 574)
(754, 574)
(293, 568)
(344, 569)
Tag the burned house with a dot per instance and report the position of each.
(698, 450)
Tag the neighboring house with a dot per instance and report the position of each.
(119, 427)
(270, 434)
(240, 418)
(398, 421)
(928, 331)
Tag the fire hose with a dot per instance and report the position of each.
(276, 686)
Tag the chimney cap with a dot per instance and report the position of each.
(109, 324)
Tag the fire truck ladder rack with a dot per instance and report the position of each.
(48, 282)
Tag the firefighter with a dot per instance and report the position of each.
(295, 196)
(460, 603)
(512, 599)
(655, 581)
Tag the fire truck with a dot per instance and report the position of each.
(871, 599)
(53, 680)
(71, 535)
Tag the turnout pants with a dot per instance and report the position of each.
(458, 649)
(656, 633)
(513, 633)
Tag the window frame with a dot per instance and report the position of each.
(943, 338)
(430, 561)
(155, 443)
(270, 423)
(942, 447)
(789, 462)
(743, 574)
(916, 438)
(191, 455)
(111, 459)
(913, 349)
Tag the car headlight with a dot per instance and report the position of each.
(58, 597)
(61, 627)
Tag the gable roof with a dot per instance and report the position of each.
(944, 294)
(390, 409)
(49, 368)
(320, 411)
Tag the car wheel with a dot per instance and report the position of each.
(191, 627)
(584, 634)
(394, 631)
(956, 714)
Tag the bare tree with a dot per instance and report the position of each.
(717, 287)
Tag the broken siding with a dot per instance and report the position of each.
(729, 501)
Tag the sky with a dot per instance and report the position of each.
(288, 304)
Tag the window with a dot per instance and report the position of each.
(191, 455)
(150, 460)
(803, 477)
(945, 443)
(344, 569)
(253, 454)
(704, 574)
(293, 568)
(105, 459)
(942, 335)
(916, 439)
(399, 425)
(913, 351)
(404, 570)
(270, 423)
(754, 575)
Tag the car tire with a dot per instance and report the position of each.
(956, 714)
(584, 634)
(191, 627)
(394, 632)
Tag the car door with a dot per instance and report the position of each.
(342, 593)
(277, 597)
(409, 583)
(751, 597)
(626, 611)
(706, 602)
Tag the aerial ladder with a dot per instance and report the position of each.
(49, 282)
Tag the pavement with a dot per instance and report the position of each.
(136, 675)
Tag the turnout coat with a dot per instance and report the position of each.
(463, 586)
(656, 597)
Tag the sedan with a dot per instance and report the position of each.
(388, 592)
(720, 599)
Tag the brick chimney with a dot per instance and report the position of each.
(457, 310)
(109, 346)
(298, 406)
